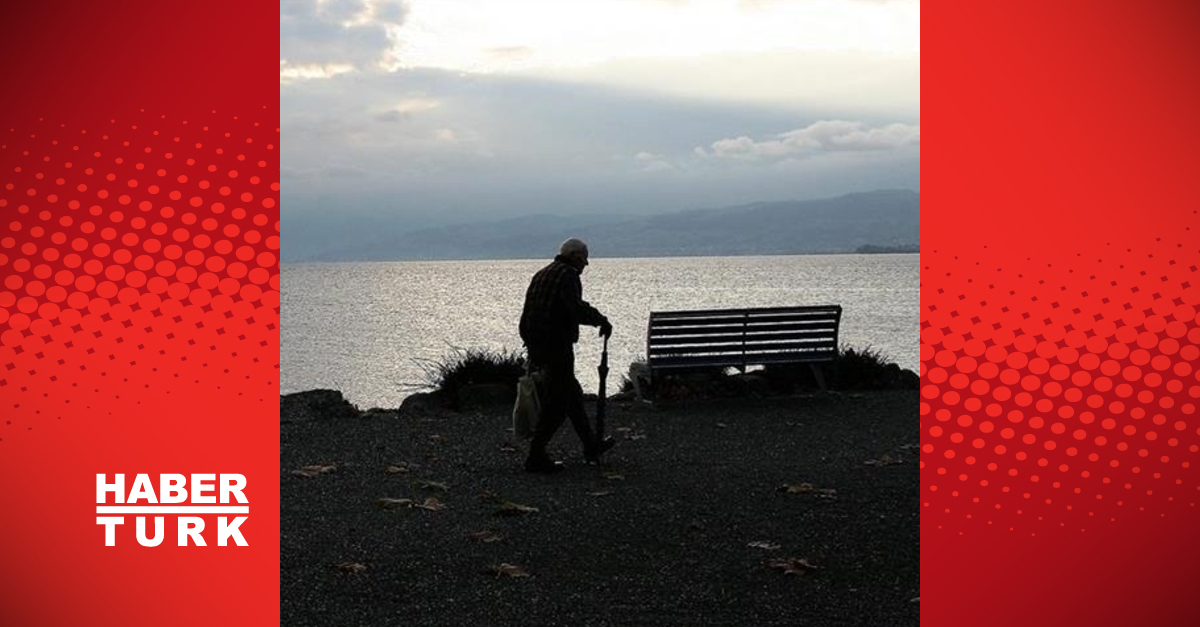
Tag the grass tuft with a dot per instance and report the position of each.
(472, 366)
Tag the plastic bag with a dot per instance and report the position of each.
(528, 408)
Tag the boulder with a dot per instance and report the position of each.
(485, 395)
(423, 402)
(315, 405)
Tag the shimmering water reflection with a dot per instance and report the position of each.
(362, 327)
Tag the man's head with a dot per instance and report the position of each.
(575, 252)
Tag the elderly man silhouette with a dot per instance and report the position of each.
(554, 309)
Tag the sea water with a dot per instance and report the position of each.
(371, 329)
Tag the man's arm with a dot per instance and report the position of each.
(584, 313)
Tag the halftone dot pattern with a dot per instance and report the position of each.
(119, 258)
(1060, 396)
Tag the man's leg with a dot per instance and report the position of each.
(592, 446)
(578, 414)
(553, 403)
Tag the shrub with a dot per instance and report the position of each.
(852, 369)
(473, 366)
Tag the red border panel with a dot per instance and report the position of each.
(139, 302)
(1059, 329)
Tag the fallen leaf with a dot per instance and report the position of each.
(614, 476)
(351, 567)
(762, 544)
(399, 469)
(314, 470)
(721, 425)
(390, 503)
(915, 600)
(624, 429)
(431, 505)
(433, 485)
(791, 565)
(808, 488)
(636, 437)
(509, 508)
(507, 570)
(599, 493)
(508, 448)
(486, 536)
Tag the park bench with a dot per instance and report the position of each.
(678, 341)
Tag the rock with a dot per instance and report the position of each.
(623, 396)
(315, 405)
(423, 402)
(481, 395)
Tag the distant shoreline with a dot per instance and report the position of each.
(872, 250)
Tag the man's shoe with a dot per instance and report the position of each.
(593, 456)
(544, 466)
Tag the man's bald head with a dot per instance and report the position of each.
(574, 251)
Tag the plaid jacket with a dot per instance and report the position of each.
(554, 306)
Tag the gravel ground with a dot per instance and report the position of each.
(659, 535)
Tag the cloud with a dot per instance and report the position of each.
(336, 33)
(561, 39)
(650, 162)
(289, 73)
(416, 105)
(825, 136)
(406, 108)
(508, 52)
(764, 5)
(500, 145)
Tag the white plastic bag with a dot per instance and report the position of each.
(528, 408)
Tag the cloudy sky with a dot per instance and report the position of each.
(424, 111)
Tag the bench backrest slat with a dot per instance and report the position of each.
(760, 311)
(749, 338)
(764, 331)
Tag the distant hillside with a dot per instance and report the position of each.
(882, 250)
(889, 219)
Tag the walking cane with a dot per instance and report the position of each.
(601, 396)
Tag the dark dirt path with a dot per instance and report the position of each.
(659, 536)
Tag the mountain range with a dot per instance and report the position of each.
(876, 221)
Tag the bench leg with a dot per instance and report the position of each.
(819, 376)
